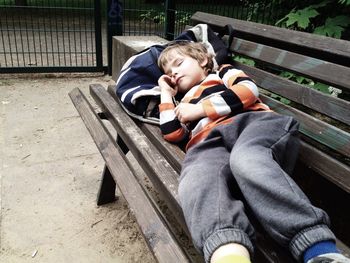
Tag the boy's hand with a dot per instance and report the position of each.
(186, 112)
(167, 86)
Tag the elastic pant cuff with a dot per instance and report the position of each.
(309, 237)
(225, 236)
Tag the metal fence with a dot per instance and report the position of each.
(50, 36)
(167, 18)
(75, 35)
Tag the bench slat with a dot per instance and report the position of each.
(158, 237)
(326, 166)
(160, 172)
(311, 44)
(316, 100)
(316, 69)
(171, 152)
(322, 132)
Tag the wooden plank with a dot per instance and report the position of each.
(333, 170)
(330, 49)
(314, 128)
(160, 172)
(158, 237)
(314, 68)
(171, 152)
(331, 106)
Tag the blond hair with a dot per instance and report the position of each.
(194, 50)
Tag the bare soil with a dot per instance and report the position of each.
(50, 175)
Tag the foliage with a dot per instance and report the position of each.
(245, 61)
(333, 27)
(310, 83)
(316, 18)
(280, 98)
(158, 17)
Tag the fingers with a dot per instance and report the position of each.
(167, 81)
(180, 113)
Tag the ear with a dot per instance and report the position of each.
(204, 62)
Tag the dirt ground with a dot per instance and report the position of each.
(50, 174)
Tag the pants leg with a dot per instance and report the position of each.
(266, 144)
(213, 215)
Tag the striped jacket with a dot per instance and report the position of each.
(223, 94)
(137, 82)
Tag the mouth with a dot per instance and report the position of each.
(178, 79)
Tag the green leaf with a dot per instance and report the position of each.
(333, 26)
(299, 79)
(245, 61)
(334, 31)
(343, 21)
(291, 19)
(285, 101)
(301, 17)
(304, 17)
(321, 87)
(287, 75)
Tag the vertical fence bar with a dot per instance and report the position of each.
(38, 14)
(34, 46)
(62, 15)
(114, 27)
(84, 30)
(80, 52)
(67, 29)
(75, 38)
(50, 32)
(8, 37)
(98, 35)
(169, 19)
(92, 35)
(21, 36)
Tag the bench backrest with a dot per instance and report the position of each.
(323, 169)
(324, 118)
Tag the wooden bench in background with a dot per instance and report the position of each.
(322, 170)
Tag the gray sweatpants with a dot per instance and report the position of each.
(247, 163)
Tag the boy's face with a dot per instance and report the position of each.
(185, 71)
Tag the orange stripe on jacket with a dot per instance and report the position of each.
(259, 106)
(210, 109)
(175, 136)
(166, 106)
(233, 78)
(206, 130)
(245, 95)
(205, 85)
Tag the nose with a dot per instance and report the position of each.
(173, 74)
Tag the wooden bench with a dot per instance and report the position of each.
(323, 167)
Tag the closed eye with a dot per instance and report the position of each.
(178, 62)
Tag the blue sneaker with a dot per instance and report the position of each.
(330, 258)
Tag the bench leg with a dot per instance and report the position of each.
(106, 193)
